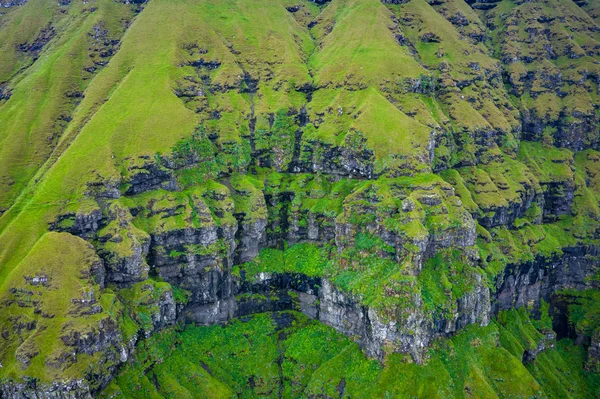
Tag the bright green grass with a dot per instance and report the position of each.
(130, 109)
(390, 133)
(258, 39)
(577, 33)
(487, 187)
(547, 164)
(21, 25)
(457, 53)
(305, 259)
(30, 121)
(360, 50)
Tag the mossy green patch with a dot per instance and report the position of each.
(307, 259)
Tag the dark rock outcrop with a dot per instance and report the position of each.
(5, 92)
(146, 174)
(123, 248)
(12, 3)
(317, 157)
(558, 198)
(526, 284)
(76, 389)
(35, 47)
(529, 355)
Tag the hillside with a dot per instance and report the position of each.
(295, 198)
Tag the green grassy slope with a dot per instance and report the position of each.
(130, 105)
(45, 94)
(356, 48)
(48, 301)
(549, 48)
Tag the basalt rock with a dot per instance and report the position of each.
(291, 218)
(123, 248)
(529, 355)
(104, 337)
(575, 133)
(473, 308)
(368, 209)
(318, 298)
(280, 291)
(195, 258)
(501, 193)
(352, 159)
(318, 227)
(35, 48)
(5, 92)
(75, 389)
(531, 45)
(152, 305)
(252, 238)
(375, 333)
(12, 3)
(194, 238)
(85, 222)
(507, 215)
(558, 198)
(145, 174)
(66, 304)
(198, 255)
(527, 283)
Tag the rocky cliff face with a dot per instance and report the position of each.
(319, 299)
(593, 362)
(397, 179)
(58, 390)
(193, 239)
(527, 284)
